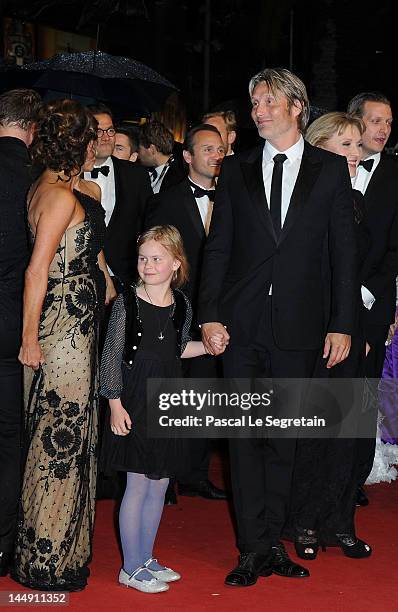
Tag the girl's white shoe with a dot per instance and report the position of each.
(165, 575)
(145, 586)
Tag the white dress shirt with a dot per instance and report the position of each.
(362, 177)
(291, 169)
(202, 203)
(360, 182)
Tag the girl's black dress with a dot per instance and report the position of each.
(124, 373)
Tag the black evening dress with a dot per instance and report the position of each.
(53, 546)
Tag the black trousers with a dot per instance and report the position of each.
(376, 336)
(10, 430)
(205, 366)
(261, 469)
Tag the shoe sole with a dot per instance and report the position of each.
(289, 576)
(130, 586)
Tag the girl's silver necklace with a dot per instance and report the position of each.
(169, 314)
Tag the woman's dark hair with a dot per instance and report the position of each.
(65, 128)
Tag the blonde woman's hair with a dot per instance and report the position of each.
(324, 128)
(170, 238)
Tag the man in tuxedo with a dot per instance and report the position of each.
(19, 110)
(125, 189)
(262, 286)
(377, 179)
(188, 206)
(155, 152)
(225, 122)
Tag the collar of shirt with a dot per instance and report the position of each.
(293, 153)
(202, 203)
(107, 185)
(361, 180)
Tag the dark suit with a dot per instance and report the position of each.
(378, 275)
(132, 190)
(278, 336)
(177, 206)
(174, 175)
(14, 254)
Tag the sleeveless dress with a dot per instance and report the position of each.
(53, 545)
(137, 452)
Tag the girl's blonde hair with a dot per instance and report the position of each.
(170, 238)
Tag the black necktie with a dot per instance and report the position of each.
(154, 174)
(199, 192)
(276, 193)
(103, 169)
(367, 164)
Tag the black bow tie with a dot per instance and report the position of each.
(103, 169)
(367, 164)
(199, 192)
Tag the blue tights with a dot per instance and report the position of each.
(139, 518)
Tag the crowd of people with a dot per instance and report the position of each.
(125, 257)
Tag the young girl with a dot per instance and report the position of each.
(147, 334)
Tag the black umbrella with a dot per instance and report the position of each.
(119, 81)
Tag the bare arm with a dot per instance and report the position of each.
(110, 287)
(55, 215)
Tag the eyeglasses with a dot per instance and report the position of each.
(109, 131)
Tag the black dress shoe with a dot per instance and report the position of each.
(362, 498)
(251, 566)
(5, 560)
(170, 498)
(204, 488)
(282, 565)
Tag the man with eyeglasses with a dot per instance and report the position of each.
(125, 189)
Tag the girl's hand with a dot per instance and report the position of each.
(367, 349)
(110, 294)
(120, 420)
(31, 355)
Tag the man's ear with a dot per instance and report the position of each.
(187, 156)
(231, 137)
(297, 108)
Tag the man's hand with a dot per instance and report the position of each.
(214, 330)
(337, 348)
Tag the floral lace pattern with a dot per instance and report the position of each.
(57, 509)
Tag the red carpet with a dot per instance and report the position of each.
(196, 538)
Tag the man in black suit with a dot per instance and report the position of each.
(262, 285)
(155, 152)
(125, 189)
(377, 179)
(188, 206)
(19, 111)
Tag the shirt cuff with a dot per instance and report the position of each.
(368, 299)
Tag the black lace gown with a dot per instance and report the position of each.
(54, 538)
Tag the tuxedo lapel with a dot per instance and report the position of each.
(310, 168)
(375, 185)
(192, 210)
(253, 175)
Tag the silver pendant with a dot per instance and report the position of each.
(160, 336)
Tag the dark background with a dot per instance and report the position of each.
(337, 48)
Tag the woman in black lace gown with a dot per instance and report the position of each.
(325, 477)
(65, 290)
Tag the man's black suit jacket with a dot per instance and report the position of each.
(177, 206)
(132, 190)
(174, 175)
(242, 256)
(381, 264)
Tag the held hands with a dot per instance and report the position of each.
(215, 338)
(31, 355)
(120, 419)
(337, 348)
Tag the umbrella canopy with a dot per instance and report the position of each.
(119, 81)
